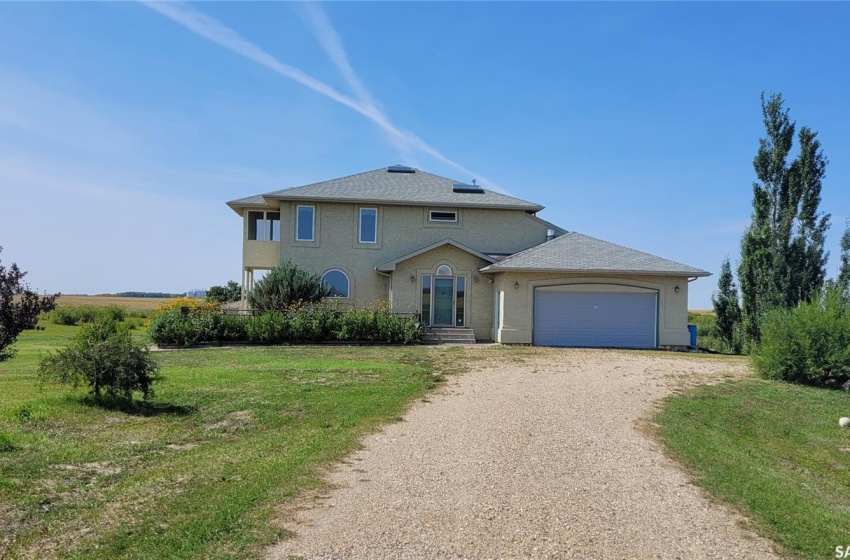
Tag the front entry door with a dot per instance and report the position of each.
(444, 299)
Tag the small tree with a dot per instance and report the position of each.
(20, 307)
(286, 285)
(727, 309)
(104, 357)
(225, 294)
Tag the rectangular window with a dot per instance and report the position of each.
(442, 216)
(368, 225)
(459, 299)
(256, 226)
(426, 300)
(305, 227)
(264, 226)
(273, 225)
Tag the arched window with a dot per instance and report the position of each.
(338, 282)
(444, 270)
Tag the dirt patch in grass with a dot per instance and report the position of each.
(233, 421)
(181, 446)
(100, 468)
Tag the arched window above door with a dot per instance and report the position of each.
(444, 270)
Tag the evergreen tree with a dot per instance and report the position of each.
(727, 309)
(782, 252)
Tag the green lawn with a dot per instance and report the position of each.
(774, 451)
(230, 435)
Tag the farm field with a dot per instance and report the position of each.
(128, 303)
(201, 471)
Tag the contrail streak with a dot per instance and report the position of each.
(317, 20)
(214, 31)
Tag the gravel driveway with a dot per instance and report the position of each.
(533, 453)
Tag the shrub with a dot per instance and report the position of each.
(298, 323)
(76, 314)
(267, 328)
(808, 344)
(195, 304)
(287, 285)
(104, 357)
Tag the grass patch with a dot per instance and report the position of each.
(201, 470)
(772, 450)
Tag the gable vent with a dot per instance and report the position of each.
(400, 169)
(464, 188)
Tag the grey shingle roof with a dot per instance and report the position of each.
(256, 200)
(575, 252)
(390, 266)
(381, 186)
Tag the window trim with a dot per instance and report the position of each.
(347, 281)
(432, 220)
(360, 226)
(298, 208)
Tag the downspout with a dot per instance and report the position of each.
(388, 276)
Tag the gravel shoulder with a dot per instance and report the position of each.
(538, 453)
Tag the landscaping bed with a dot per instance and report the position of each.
(313, 323)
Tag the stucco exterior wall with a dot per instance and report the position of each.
(407, 295)
(517, 304)
(401, 230)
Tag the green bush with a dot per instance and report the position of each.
(287, 285)
(225, 294)
(808, 344)
(104, 357)
(307, 323)
(76, 314)
(267, 328)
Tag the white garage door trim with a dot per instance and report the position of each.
(627, 316)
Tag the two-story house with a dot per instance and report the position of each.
(466, 258)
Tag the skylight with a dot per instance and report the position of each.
(464, 188)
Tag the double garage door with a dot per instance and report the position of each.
(595, 319)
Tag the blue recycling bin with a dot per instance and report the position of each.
(692, 330)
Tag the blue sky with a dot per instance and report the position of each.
(124, 127)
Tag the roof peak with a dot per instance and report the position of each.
(402, 186)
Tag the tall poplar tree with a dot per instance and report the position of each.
(844, 268)
(782, 252)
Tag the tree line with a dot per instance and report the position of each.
(783, 259)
